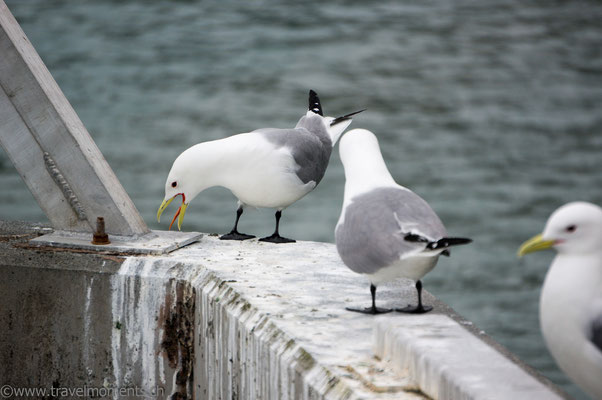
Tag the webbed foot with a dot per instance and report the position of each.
(236, 236)
(275, 238)
(369, 310)
(419, 309)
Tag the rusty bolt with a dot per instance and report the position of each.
(100, 237)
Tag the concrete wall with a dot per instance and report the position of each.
(230, 320)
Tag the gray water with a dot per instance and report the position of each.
(490, 110)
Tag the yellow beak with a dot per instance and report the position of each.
(536, 243)
(163, 207)
(180, 213)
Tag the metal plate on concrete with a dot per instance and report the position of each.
(153, 243)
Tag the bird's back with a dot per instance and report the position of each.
(372, 229)
(311, 150)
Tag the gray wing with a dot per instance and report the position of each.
(308, 150)
(372, 235)
(596, 332)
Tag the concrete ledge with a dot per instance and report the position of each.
(226, 320)
(264, 321)
(450, 363)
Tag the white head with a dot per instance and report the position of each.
(574, 228)
(358, 142)
(364, 165)
(186, 178)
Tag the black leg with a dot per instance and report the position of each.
(373, 309)
(419, 309)
(276, 238)
(234, 234)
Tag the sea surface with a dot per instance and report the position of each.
(491, 110)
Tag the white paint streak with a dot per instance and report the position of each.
(139, 292)
(87, 323)
(117, 301)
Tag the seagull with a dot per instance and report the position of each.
(268, 167)
(570, 306)
(385, 230)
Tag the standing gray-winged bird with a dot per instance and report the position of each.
(570, 306)
(267, 167)
(385, 230)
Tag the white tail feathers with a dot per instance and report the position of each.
(337, 130)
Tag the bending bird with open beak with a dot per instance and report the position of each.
(268, 167)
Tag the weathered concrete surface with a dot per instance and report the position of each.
(450, 363)
(217, 320)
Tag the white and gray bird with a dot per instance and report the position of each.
(385, 230)
(267, 167)
(570, 306)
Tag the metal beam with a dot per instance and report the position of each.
(50, 147)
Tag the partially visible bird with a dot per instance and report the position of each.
(385, 230)
(570, 306)
(268, 167)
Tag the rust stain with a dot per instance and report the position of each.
(366, 381)
(57, 249)
(113, 258)
(176, 317)
(10, 238)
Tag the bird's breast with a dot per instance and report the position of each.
(410, 268)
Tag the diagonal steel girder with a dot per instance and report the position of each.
(50, 147)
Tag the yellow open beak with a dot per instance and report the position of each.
(536, 243)
(163, 207)
(179, 214)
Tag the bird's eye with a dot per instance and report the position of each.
(174, 184)
(570, 228)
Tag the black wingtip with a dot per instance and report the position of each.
(413, 237)
(345, 117)
(438, 244)
(448, 242)
(314, 103)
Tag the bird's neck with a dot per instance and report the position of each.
(365, 174)
(570, 290)
(572, 278)
(213, 163)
